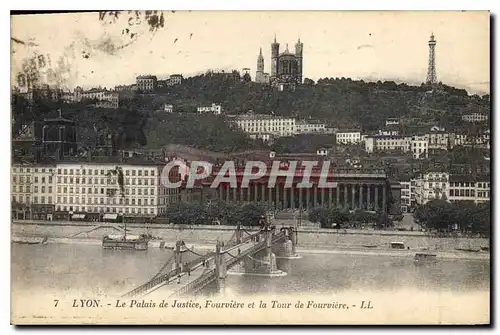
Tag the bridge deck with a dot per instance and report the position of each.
(202, 270)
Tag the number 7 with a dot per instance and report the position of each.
(56, 302)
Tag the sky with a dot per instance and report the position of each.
(84, 51)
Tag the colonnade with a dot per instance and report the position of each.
(350, 195)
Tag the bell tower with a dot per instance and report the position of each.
(275, 51)
(299, 47)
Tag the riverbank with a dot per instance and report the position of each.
(310, 241)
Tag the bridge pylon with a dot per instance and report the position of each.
(177, 256)
(220, 264)
(287, 247)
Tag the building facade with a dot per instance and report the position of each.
(367, 189)
(175, 79)
(431, 186)
(146, 83)
(305, 127)
(94, 189)
(475, 117)
(286, 67)
(33, 191)
(105, 98)
(267, 124)
(215, 109)
(348, 137)
(469, 188)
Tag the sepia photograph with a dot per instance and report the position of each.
(250, 167)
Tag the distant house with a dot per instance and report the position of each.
(215, 109)
(168, 108)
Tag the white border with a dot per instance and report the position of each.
(193, 5)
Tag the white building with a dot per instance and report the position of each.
(405, 195)
(105, 98)
(387, 142)
(475, 117)
(348, 137)
(175, 79)
(262, 136)
(168, 108)
(431, 186)
(419, 147)
(304, 127)
(391, 121)
(438, 140)
(215, 109)
(322, 152)
(94, 188)
(468, 188)
(146, 83)
(34, 188)
(268, 124)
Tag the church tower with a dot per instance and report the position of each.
(275, 51)
(259, 75)
(298, 54)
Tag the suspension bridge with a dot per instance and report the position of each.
(252, 252)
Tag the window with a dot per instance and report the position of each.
(36, 189)
(36, 179)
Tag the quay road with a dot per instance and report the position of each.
(278, 223)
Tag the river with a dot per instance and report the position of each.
(89, 268)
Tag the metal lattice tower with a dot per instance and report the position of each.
(431, 71)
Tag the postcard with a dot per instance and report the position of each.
(250, 167)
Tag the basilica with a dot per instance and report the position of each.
(286, 67)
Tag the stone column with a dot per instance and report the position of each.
(308, 197)
(276, 195)
(255, 192)
(376, 197)
(368, 191)
(315, 196)
(227, 188)
(300, 198)
(353, 195)
(330, 196)
(263, 192)
(361, 196)
(292, 198)
(345, 195)
(270, 198)
(234, 193)
(384, 199)
(323, 190)
(337, 199)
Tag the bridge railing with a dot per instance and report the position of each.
(196, 284)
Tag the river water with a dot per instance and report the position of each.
(89, 268)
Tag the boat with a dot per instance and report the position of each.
(421, 257)
(30, 240)
(397, 245)
(468, 249)
(125, 242)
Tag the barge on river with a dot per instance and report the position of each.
(125, 242)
